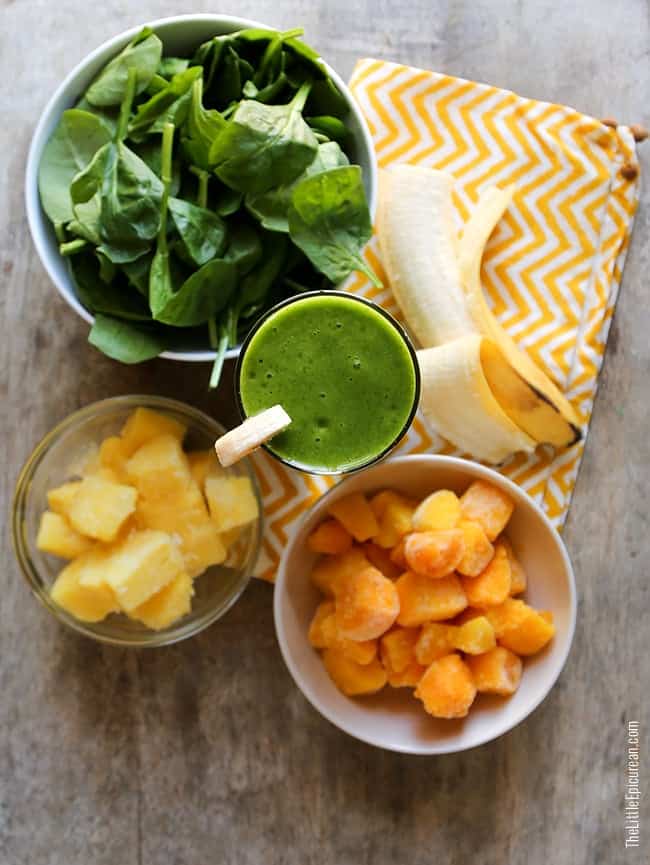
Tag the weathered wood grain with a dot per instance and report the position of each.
(206, 752)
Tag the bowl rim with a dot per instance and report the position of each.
(480, 472)
(36, 217)
(147, 638)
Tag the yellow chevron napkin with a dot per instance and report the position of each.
(551, 270)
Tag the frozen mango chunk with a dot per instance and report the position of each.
(231, 500)
(409, 676)
(367, 604)
(113, 455)
(435, 641)
(352, 679)
(440, 510)
(474, 637)
(518, 580)
(56, 536)
(145, 424)
(100, 507)
(397, 648)
(202, 464)
(519, 627)
(496, 672)
(510, 614)
(331, 572)
(329, 537)
(356, 516)
(394, 514)
(398, 557)
(88, 603)
(139, 567)
(381, 559)
(168, 605)
(324, 634)
(60, 498)
(488, 505)
(492, 586)
(478, 550)
(424, 600)
(447, 689)
(434, 554)
(468, 614)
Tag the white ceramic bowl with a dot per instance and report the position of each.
(393, 719)
(180, 36)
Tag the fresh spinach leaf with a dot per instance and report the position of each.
(108, 116)
(326, 99)
(264, 145)
(202, 128)
(143, 54)
(149, 152)
(113, 299)
(331, 127)
(71, 148)
(170, 66)
(137, 273)
(201, 297)
(330, 222)
(169, 105)
(255, 286)
(125, 341)
(203, 233)
(244, 247)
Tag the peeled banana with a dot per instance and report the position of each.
(250, 435)
(479, 389)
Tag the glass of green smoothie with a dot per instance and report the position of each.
(343, 369)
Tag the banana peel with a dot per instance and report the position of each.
(478, 388)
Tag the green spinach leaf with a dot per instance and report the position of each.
(170, 66)
(331, 127)
(125, 341)
(142, 54)
(203, 233)
(170, 105)
(202, 128)
(244, 247)
(112, 299)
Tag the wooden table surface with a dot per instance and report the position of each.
(205, 751)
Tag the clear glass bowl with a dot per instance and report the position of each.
(59, 457)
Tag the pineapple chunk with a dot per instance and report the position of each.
(231, 500)
(447, 689)
(100, 507)
(329, 537)
(139, 567)
(144, 425)
(356, 516)
(496, 672)
(354, 679)
(518, 580)
(160, 468)
(397, 649)
(492, 586)
(88, 603)
(478, 550)
(440, 510)
(330, 573)
(435, 641)
(474, 637)
(168, 605)
(367, 604)
(56, 536)
(202, 464)
(488, 505)
(381, 559)
(324, 633)
(434, 554)
(202, 546)
(60, 498)
(113, 455)
(424, 600)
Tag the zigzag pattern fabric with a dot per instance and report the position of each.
(552, 268)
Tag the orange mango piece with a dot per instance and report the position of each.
(330, 537)
(488, 505)
(394, 514)
(447, 689)
(356, 516)
(367, 604)
(492, 586)
(381, 559)
(329, 573)
(397, 555)
(434, 554)
(352, 679)
(468, 614)
(519, 627)
(496, 672)
(440, 510)
(324, 634)
(478, 550)
(408, 678)
(423, 600)
(475, 637)
(518, 580)
(397, 648)
(435, 641)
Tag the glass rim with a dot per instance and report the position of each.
(399, 329)
(30, 571)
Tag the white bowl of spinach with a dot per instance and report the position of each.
(188, 175)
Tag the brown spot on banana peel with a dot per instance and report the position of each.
(577, 432)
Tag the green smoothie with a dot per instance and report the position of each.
(342, 370)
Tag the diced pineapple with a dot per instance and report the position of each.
(159, 469)
(478, 550)
(56, 536)
(408, 678)
(145, 424)
(356, 516)
(331, 572)
(488, 505)
(100, 507)
(434, 554)
(329, 537)
(202, 464)
(397, 648)
(324, 634)
(354, 679)
(492, 586)
(113, 455)
(475, 637)
(202, 546)
(367, 604)
(519, 627)
(139, 567)
(60, 498)
(435, 641)
(395, 520)
(424, 600)
(231, 500)
(380, 558)
(518, 579)
(447, 689)
(496, 672)
(88, 603)
(440, 510)
(168, 605)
